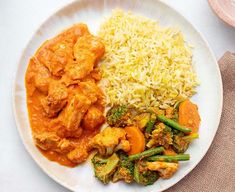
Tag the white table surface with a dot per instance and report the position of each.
(18, 21)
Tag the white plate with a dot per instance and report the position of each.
(209, 97)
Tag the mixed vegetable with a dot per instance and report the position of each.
(143, 146)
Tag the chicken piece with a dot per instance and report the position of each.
(91, 43)
(91, 90)
(56, 99)
(100, 104)
(110, 140)
(39, 77)
(54, 61)
(80, 68)
(50, 141)
(68, 81)
(42, 77)
(96, 74)
(81, 152)
(64, 133)
(165, 169)
(46, 140)
(71, 34)
(87, 51)
(78, 155)
(93, 118)
(65, 146)
(88, 78)
(57, 126)
(57, 52)
(73, 113)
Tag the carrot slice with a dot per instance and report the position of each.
(169, 151)
(136, 139)
(189, 116)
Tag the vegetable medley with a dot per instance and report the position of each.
(142, 146)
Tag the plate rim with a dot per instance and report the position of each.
(56, 11)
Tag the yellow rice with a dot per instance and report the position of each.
(145, 65)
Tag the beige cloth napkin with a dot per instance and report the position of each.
(216, 172)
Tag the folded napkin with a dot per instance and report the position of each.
(216, 172)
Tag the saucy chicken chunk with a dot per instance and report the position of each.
(87, 50)
(92, 44)
(54, 61)
(64, 102)
(56, 98)
(78, 155)
(63, 132)
(55, 54)
(93, 118)
(39, 77)
(74, 112)
(50, 141)
(80, 68)
(91, 90)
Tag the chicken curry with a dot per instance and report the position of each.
(64, 102)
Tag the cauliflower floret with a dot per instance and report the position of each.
(165, 169)
(123, 145)
(111, 140)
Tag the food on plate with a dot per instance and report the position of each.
(148, 99)
(111, 140)
(146, 153)
(152, 64)
(65, 103)
(141, 73)
(118, 115)
(189, 116)
(125, 169)
(165, 169)
(170, 158)
(144, 176)
(153, 152)
(104, 168)
(136, 139)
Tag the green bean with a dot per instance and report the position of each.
(169, 158)
(146, 153)
(173, 124)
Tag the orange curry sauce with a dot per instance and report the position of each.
(65, 104)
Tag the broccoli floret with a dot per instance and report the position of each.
(104, 168)
(161, 136)
(120, 116)
(181, 142)
(144, 176)
(125, 170)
